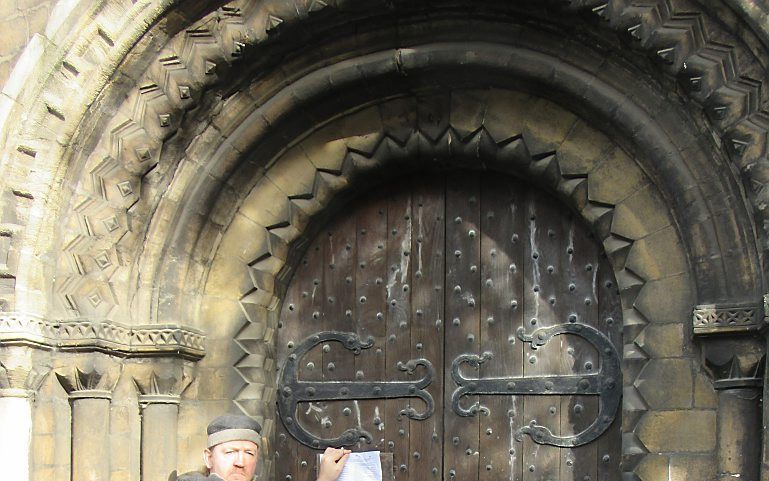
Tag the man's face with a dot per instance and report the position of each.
(233, 460)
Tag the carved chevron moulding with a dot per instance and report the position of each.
(102, 335)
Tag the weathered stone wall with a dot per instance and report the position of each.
(213, 280)
(19, 21)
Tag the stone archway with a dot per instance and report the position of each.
(203, 152)
(181, 75)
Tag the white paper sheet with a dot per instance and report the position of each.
(362, 467)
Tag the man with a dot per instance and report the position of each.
(232, 452)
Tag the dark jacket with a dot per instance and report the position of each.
(198, 477)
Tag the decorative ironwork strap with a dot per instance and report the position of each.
(606, 383)
(292, 391)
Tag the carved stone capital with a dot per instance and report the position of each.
(728, 319)
(21, 374)
(733, 362)
(94, 377)
(731, 344)
(101, 335)
(161, 381)
(21, 382)
(738, 372)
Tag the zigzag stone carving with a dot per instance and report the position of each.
(199, 55)
(104, 336)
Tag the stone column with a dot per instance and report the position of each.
(765, 414)
(765, 424)
(160, 383)
(739, 417)
(89, 356)
(18, 384)
(90, 391)
(733, 352)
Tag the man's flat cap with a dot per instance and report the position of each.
(233, 427)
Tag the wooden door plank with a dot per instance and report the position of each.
(427, 247)
(580, 265)
(338, 362)
(501, 284)
(370, 272)
(542, 462)
(398, 312)
(300, 315)
(462, 331)
(610, 322)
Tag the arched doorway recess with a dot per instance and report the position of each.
(558, 152)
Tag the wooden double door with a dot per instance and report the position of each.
(453, 273)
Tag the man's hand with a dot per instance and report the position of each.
(331, 463)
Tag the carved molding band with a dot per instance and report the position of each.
(20, 393)
(91, 394)
(147, 399)
(104, 336)
(727, 318)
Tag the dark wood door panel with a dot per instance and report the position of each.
(398, 349)
(503, 222)
(427, 314)
(462, 333)
(439, 269)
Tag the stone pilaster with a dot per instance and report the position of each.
(19, 381)
(739, 390)
(90, 386)
(100, 348)
(765, 404)
(160, 383)
(733, 354)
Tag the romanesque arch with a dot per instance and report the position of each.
(161, 179)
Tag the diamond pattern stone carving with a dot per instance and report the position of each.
(143, 154)
(714, 319)
(111, 223)
(125, 188)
